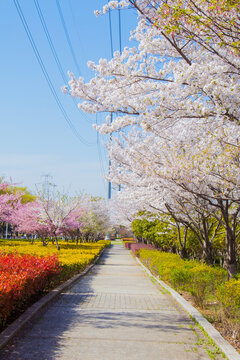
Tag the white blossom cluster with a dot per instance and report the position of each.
(179, 94)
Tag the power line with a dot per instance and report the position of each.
(110, 29)
(50, 42)
(99, 149)
(44, 25)
(45, 73)
(75, 26)
(68, 37)
(120, 31)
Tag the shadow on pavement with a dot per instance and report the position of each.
(63, 320)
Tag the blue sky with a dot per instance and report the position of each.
(35, 138)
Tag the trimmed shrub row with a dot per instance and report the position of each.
(205, 283)
(197, 278)
(21, 277)
(136, 247)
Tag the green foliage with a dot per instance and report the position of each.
(228, 295)
(159, 233)
(193, 247)
(162, 232)
(180, 277)
(204, 281)
(197, 278)
(106, 242)
(26, 195)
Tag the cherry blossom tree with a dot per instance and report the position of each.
(59, 214)
(179, 93)
(95, 220)
(49, 217)
(8, 201)
(27, 220)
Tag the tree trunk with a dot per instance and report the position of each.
(230, 226)
(208, 254)
(183, 253)
(56, 241)
(231, 262)
(44, 241)
(183, 250)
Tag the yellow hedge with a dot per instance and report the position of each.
(73, 257)
(197, 278)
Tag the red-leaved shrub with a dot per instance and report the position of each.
(135, 247)
(21, 277)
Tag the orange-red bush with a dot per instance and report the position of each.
(21, 277)
(136, 247)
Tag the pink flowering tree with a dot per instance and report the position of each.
(27, 219)
(59, 213)
(9, 202)
(48, 218)
(72, 224)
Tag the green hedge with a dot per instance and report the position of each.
(199, 279)
(206, 284)
(228, 295)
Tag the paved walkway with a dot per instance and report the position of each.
(115, 312)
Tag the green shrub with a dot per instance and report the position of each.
(106, 242)
(199, 279)
(180, 278)
(204, 281)
(160, 262)
(228, 295)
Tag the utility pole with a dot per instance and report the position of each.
(120, 49)
(109, 167)
(109, 161)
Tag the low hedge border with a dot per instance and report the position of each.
(134, 247)
(223, 345)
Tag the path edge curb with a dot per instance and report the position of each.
(223, 344)
(7, 334)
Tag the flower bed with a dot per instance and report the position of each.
(21, 277)
(28, 270)
(73, 257)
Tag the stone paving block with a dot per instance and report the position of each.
(112, 301)
(136, 350)
(63, 348)
(118, 285)
(119, 325)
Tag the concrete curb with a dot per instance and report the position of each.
(223, 345)
(7, 334)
